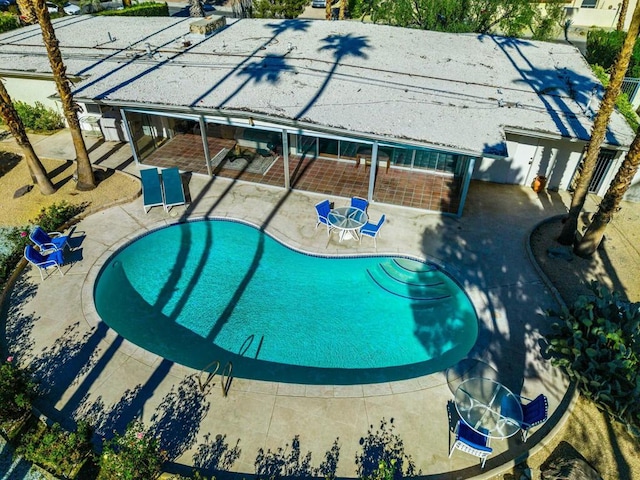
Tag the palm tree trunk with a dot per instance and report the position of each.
(343, 6)
(12, 120)
(327, 13)
(611, 202)
(619, 69)
(86, 180)
(27, 12)
(624, 5)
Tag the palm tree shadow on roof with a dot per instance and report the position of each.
(296, 25)
(343, 46)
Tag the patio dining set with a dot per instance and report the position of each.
(351, 222)
(489, 410)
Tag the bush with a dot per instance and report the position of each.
(603, 47)
(622, 102)
(596, 342)
(38, 117)
(56, 450)
(17, 390)
(55, 216)
(131, 456)
(145, 9)
(8, 21)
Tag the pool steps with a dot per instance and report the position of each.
(399, 276)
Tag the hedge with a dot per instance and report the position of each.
(8, 21)
(146, 9)
(603, 47)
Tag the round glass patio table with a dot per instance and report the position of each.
(488, 405)
(348, 221)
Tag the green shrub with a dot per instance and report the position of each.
(131, 456)
(56, 450)
(55, 216)
(622, 102)
(38, 117)
(17, 390)
(603, 47)
(8, 21)
(596, 342)
(145, 9)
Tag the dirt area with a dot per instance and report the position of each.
(14, 174)
(589, 433)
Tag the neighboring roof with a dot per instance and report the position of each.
(457, 91)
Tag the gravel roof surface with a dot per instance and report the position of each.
(457, 91)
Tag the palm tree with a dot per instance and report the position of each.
(327, 13)
(343, 6)
(587, 167)
(27, 13)
(13, 121)
(86, 180)
(624, 5)
(611, 202)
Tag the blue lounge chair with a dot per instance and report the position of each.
(322, 210)
(360, 203)
(151, 188)
(471, 442)
(372, 230)
(48, 242)
(52, 259)
(173, 190)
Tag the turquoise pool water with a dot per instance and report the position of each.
(221, 290)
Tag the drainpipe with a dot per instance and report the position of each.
(372, 172)
(125, 123)
(285, 158)
(465, 185)
(205, 144)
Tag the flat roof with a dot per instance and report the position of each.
(454, 91)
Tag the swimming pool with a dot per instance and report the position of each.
(222, 290)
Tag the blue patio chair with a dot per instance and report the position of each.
(173, 189)
(372, 230)
(322, 210)
(151, 188)
(471, 442)
(43, 262)
(360, 203)
(534, 412)
(48, 241)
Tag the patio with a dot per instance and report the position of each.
(394, 186)
(89, 371)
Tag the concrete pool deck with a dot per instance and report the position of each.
(89, 372)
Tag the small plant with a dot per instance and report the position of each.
(38, 117)
(17, 390)
(596, 342)
(131, 456)
(55, 216)
(58, 451)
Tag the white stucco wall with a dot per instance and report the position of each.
(529, 157)
(633, 194)
(32, 90)
(604, 15)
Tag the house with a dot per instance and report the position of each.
(597, 13)
(395, 115)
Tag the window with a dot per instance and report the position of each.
(589, 3)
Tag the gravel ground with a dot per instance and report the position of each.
(14, 174)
